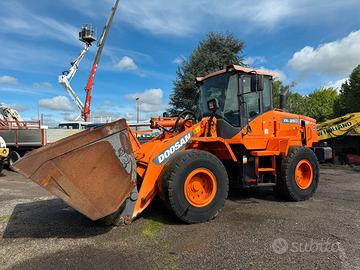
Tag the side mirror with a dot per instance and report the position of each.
(166, 114)
(257, 83)
(213, 105)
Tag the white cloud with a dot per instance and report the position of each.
(279, 74)
(42, 85)
(334, 58)
(68, 116)
(151, 100)
(17, 18)
(8, 80)
(179, 59)
(336, 84)
(181, 18)
(58, 103)
(130, 116)
(48, 119)
(103, 116)
(38, 58)
(19, 107)
(254, 60)
(126, 63)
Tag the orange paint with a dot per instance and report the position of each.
(304, 174)
(200, 187)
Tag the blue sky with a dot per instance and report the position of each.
(315, 43)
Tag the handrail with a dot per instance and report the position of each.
(4, 124)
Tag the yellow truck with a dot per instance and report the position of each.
(4, 152)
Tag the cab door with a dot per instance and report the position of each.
(253, 102)
(250, 100)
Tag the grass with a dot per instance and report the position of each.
(151, 228)
(7, 218)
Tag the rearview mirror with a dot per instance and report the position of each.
(257, 83)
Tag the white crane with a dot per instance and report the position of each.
(87, 36)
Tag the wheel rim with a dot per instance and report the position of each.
(304, 174)
(200, 187)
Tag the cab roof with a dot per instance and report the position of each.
(236, 68)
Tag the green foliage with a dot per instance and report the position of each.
(318, 104)
(213, 53)
(278, 88)
(348, 100)
(296, 104)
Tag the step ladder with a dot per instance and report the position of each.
(260, 154)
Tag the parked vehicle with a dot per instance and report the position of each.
(3, 153)
(24, 136)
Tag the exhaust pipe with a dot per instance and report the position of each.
(283, 98)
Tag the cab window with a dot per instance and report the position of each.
(224, 88)
(267, 104)
(251, 99)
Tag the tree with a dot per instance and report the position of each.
(348, 100)
(294, 100)
(215, 52)
(320, 104)
(296, 103)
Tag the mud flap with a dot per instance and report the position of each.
(93, 171)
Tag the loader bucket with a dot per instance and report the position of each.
(93, 171)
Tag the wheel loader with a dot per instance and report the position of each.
(235, 139)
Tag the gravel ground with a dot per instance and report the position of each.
(254, 231)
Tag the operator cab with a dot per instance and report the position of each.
(242, 94)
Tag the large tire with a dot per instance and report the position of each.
(299, 176)
(194, 186)
(13, 157)
(1, 165)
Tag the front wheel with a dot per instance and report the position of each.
(299, 176)
(194, 186)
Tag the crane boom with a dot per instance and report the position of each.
(67, 76)
(90, 83)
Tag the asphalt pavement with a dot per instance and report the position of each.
(254, 231)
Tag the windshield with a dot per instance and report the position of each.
(224, 88)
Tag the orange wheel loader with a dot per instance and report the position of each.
(236, 139)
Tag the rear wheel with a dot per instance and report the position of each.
(194, 186)
(13, 157)
(299, 176)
